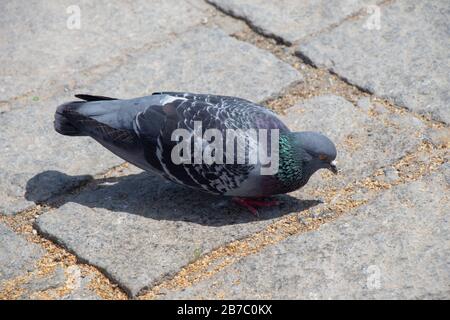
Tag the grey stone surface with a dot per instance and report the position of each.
(438, 137)
(82, 293)
(205, 60)
(62, 284)
(396, 247)
(139, 228)
(406, 60)
(364, 143)
(390, 175)
(17, 256)
(364, 103)
(80, 288)
(52, 281)
(291, 20)
(34, 36)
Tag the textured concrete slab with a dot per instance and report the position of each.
(41, 44)
(140, 229)
(204, 60)
(364, 143)
(17, 256)
(82, 292)
(52, 281)
(62, 284)
(396, 247)
(406, 60)
(291, 20)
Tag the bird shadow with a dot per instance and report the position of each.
(150, 196)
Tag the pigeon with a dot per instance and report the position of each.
(141, 131)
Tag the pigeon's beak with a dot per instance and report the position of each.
(333, 167)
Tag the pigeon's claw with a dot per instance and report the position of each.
(251, 203)
(244, 203)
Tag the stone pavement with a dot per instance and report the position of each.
(385, 249)
(78, 223)
(405, 61)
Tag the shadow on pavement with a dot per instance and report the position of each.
(153, 197)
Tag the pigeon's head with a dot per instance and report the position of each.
(318, 151)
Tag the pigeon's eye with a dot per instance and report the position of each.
(322, 157)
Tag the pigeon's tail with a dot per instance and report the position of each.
(65, 122)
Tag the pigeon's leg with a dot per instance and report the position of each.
(251, 203)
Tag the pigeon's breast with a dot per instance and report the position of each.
(257, 185)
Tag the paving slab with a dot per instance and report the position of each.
(62, 284)
(204, 60)
(395, 247)
(54, 280)
(42, 46)
(17, 256)
(406, 60)
(82, 292)
(291, 20)
(364, 143)
(140, 229)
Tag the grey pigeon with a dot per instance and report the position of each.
(140, 131)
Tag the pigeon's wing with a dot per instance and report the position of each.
(181, 111)
(244, 113)
(210, 98)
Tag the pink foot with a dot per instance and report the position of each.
(251, 203)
